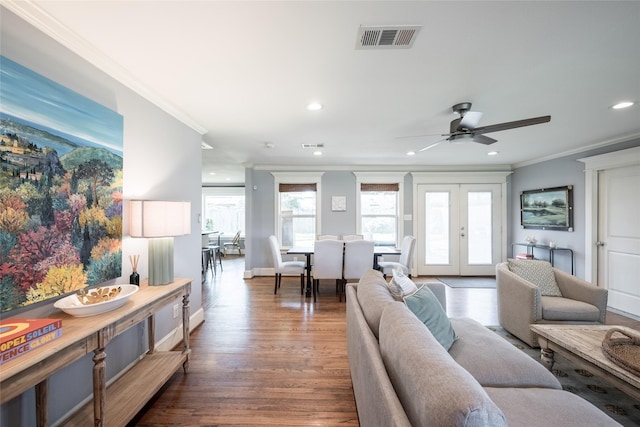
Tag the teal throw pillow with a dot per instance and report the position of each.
(424, 304)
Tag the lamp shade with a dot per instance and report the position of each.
(155, 218)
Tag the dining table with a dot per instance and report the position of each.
(307, 251)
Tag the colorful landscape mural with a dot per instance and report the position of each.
(60, 189)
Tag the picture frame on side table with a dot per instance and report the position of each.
(547, 208)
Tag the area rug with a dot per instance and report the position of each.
(468, 282)
(583, 383)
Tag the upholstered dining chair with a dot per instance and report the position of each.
(327, 262)
(358, 258)
(349, 237)
(327, 237)
(284, 267)
(405, 263)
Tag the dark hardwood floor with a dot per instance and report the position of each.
(277, 360)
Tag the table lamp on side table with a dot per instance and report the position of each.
(160, 222)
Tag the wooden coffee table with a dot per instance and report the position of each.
(582, 345)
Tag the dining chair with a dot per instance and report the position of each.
(349, 237)
(405, 263)
(284, 267)
(358, 258)
(327, 237)
(327, 262)
(233, 244)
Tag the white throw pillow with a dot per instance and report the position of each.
(400, 285)
(540, 273)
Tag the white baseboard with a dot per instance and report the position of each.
(174, 337)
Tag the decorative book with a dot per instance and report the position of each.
(19, 336)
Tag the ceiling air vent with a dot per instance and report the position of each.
(312, 145)
(387, 36)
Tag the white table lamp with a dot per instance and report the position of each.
(160, 222)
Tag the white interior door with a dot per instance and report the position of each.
(459, 229)
(619, 237)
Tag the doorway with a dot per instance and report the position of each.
(459, 229)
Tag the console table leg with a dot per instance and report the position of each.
(185, 330)
(546, 357)
(99, 386)
(42, 406)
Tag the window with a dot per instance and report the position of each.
(223, 209)
(379, 213)
(380, 207)
(297, 208)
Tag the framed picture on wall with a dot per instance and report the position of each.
(547, 208)
(339, 203)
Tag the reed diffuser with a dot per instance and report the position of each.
(134, 278)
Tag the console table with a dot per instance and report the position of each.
(82, 335)
(532, 246)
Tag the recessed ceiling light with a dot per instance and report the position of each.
(314, 106)
(227, 179)
(492, 153)
(411, 153)
(317, 153)
(212, 173)
(623, 104)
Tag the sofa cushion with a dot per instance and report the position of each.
(433, 389)
(535, 407)
(373, 296)
(540, 273)
(554, 308)
(424, 304)
(493, 361)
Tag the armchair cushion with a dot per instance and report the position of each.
(561, 309)
(540, 273)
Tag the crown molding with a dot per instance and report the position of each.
(55, 29)
(578, 150)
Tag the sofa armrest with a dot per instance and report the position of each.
(573, 287)
(519, 304)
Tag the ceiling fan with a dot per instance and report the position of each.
(465, 128)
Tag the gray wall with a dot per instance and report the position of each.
(162, 160)
(556, 173)
(552, 173)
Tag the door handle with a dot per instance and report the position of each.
(599, 243)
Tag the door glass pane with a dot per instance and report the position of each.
(479, 234)
(436, 228)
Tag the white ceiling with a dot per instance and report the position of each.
(243, 72)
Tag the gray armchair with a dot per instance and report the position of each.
(520, 303)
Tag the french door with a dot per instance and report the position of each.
(459, 229)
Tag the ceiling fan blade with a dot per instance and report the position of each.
(418, 136)
(430, 146)
(511, 125)
(484, 139)
(470, 120)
